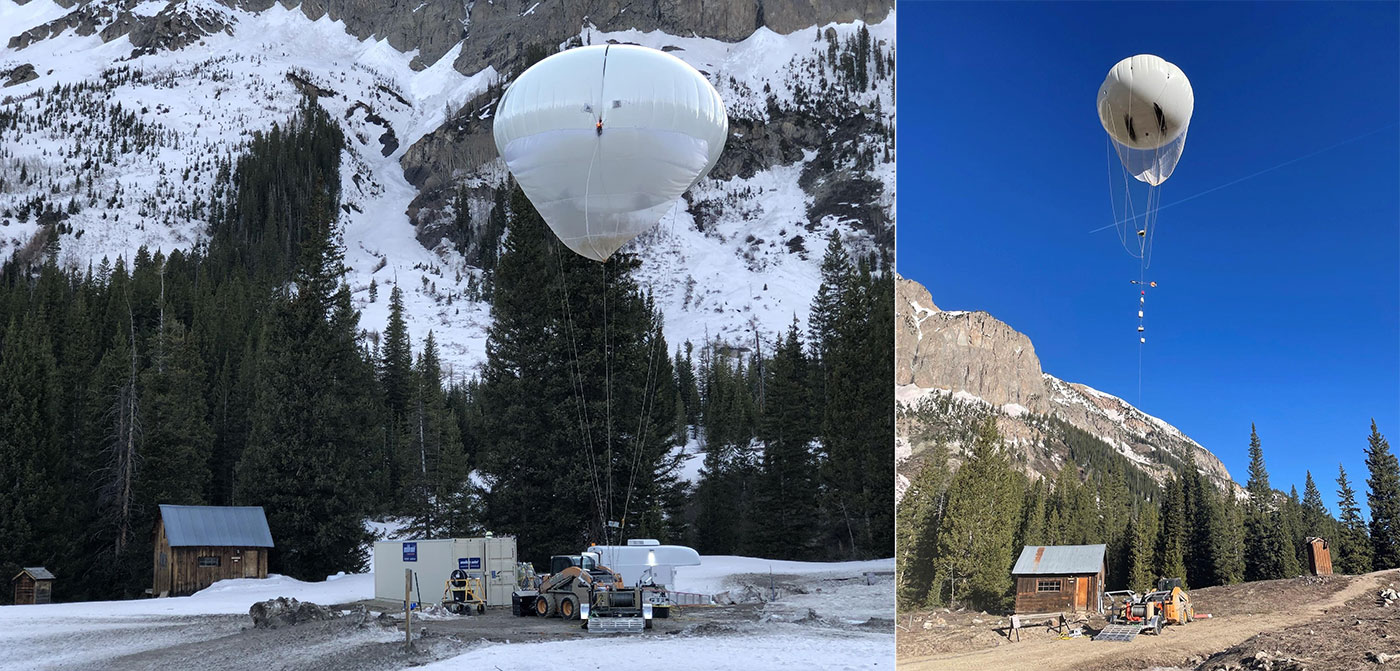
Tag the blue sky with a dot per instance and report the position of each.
(1279, 294)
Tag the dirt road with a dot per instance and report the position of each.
(1174, 648)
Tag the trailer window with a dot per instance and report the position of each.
(1047, 585)
(208, 561)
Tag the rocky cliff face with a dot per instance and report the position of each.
(496, 32)
(971, 352)
(954, 370)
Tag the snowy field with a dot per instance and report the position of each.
(826, 616)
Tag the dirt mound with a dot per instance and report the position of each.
(284, 611)
(1363, 633)
(1265, 596)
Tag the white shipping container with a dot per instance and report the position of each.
(492, 559)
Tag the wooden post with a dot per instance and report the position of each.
(407, 610)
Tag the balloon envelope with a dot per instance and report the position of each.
(1145, 105)
(604, 139)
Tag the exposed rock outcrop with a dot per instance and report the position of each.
(19, 75)
(972, 352)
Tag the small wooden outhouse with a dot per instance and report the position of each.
(33, 585)
(1319, 556)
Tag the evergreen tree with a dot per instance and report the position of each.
(1115, 506)
(1033, 531)
(442, 501)
(857, 427)
(1170, 557)
(1291, 518)
(31, 495)
(1316, 521)
(788, 485)
(918, 516)
(1205, 527)
(311, 423)
(174, 445)
(1353, 542)
(1229, 544)
(1267, 553)
(1383, 495)
(396, 362)
(974, 541)
(1143, 531)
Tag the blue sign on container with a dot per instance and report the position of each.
(462, 563)
(473, 563)
(410, 552)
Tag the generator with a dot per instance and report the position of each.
(1169, 604)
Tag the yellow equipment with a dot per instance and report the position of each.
(578, 587)
(1170, 604)
(464, 594)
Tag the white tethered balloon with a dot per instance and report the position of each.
(1145, 105)
(604, 139)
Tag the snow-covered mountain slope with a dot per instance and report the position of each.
(956, 370)
(116, 114)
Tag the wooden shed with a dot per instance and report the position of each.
(1059, 578)
(198, 545)
(1319, 557)
(33, 585)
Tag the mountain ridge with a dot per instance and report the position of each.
(956, 369)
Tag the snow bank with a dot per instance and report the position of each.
(714, 572)
(226, 597)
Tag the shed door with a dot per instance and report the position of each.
(1081, 593)
(250, 563)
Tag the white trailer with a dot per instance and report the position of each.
(491, 558)
(644, 558)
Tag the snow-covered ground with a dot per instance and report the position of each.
(717, 573)
(784, 647)
(226, 597)
(826, 616)
(797, 631)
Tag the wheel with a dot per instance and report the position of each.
(568, 607)
(480, 608)
(544, 606)
(1157, 629)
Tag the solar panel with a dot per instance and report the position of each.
(1119, 632)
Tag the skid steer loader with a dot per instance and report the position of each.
(578, 587)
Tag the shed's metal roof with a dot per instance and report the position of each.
(38, 573)
(1059, 559)
(216, 526)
